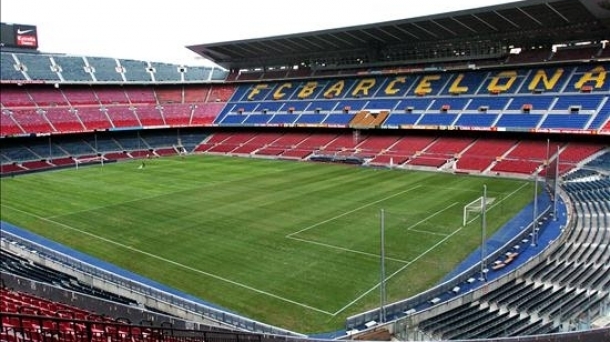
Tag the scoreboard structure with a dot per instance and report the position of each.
(18, 36)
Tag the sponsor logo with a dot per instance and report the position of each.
(27, 41)
(20, 31)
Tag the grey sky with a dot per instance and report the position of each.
(160, 30)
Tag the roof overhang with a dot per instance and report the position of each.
(519, 23)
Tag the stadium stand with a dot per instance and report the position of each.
(497, 113)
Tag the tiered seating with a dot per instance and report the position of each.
(165, 151)
(404, 149)
(140, 95)
(574, 152)
(122, 116)
(9, 168)
(15, 97)
(15, 302)
(283, 143)
(440, 152)
(64, 119)
(218, 74)
(9, 68)
(32, 120)
(198, 73)
(231, 142)
(221, 93)
(111, 95)
(601, 118)
(308, 145)
(373, 145)
(136, 71)
(563, 121)
(46, 96)
(8, 126)
(568, 284)
(526, 157)
(259, 141)
(36, 165)
(93, 118)
(482, 153)
(78, 96)
(149, 115)
(62, 161)
(193, 94)
(116, 155)
(177, 114)
(171, 94)
(165, 72)
(105, 69)
(205, 113)
(343, 142)
(38, 67)
(73, 68)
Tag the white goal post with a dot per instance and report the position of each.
(88, 160)
(475, 207)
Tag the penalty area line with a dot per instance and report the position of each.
(429, 217)
(154, 256)
(352, 211)
(377, 256)
(398, 271)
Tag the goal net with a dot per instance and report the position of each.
(78, 162)
(473, 209)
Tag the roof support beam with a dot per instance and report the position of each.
(484, 22)
(423, 29)
(407, 32)
(507, 20)
(530, 16)
(464, 25)
(443, 27)
(557, 12)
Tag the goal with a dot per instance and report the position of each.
(475, 208)
(78, 162)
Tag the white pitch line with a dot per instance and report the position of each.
(431, 216)
(419, 257)
(498, 202)
(346, 249)
(172, 262)
(427, 232)
(399, 270)
(352, 211)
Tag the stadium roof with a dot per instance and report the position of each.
(475, 32)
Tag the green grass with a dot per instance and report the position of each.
(290, 244)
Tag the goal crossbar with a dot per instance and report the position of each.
(476, 207)
(88, 160)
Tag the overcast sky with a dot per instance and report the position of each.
(161, 30)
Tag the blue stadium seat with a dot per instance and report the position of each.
(398, 119)
(437, 119)
(197, 73)
(8, 69)
(73, 68)
(519, 120)
(476, 120)
(137, 71)
(165, 72)
(566, 121)
(38, 66)
(105, 69)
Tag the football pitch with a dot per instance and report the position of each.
(292, 244)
